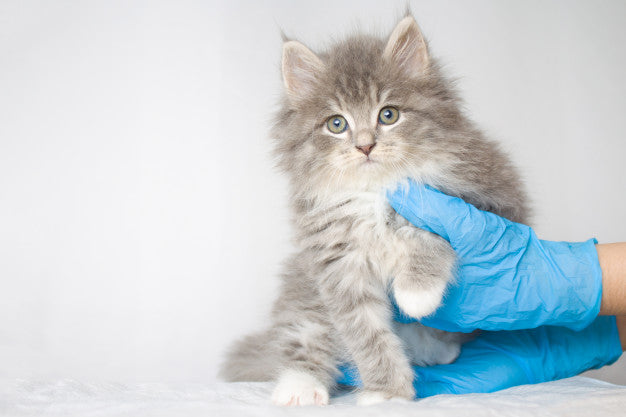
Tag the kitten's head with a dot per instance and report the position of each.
(364, 114)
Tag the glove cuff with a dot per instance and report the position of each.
(580, 282)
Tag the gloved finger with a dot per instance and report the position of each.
(426, 384)
(431, 210)
(349, 376)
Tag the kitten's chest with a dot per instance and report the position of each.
(363, 224)
(373, 220)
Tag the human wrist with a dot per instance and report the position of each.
(612, 259)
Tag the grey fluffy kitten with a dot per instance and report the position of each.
(356, 120)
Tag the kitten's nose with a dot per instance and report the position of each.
(366, 149)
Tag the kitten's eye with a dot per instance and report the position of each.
(388, 115)
(337, 124)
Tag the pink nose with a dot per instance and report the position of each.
(366, 149)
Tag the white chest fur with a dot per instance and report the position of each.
(367, 223)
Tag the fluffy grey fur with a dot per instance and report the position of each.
(353, 249)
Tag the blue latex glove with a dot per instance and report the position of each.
(507, 279)
(499, 360)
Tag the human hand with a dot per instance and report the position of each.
(507, 278)
(503, 359)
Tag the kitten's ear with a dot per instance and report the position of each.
(407, 48)
(300, 69)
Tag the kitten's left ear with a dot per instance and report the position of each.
(407, 48)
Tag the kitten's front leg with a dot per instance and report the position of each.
(360, 311)
(422, 274)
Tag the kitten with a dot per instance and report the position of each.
(354, 122)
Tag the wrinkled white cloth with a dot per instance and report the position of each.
(578, 396)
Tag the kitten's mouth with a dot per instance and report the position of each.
(369, 161)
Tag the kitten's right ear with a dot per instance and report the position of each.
(300, 68)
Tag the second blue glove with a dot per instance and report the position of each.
(499, 360)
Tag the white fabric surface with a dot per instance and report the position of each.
(579, 396)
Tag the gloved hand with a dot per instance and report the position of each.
(507, 279)
(499, 360)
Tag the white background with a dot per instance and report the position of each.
(142, 223)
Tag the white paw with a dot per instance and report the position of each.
(419, 303)
(375, 397)
(370, 398)
(299, 388)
